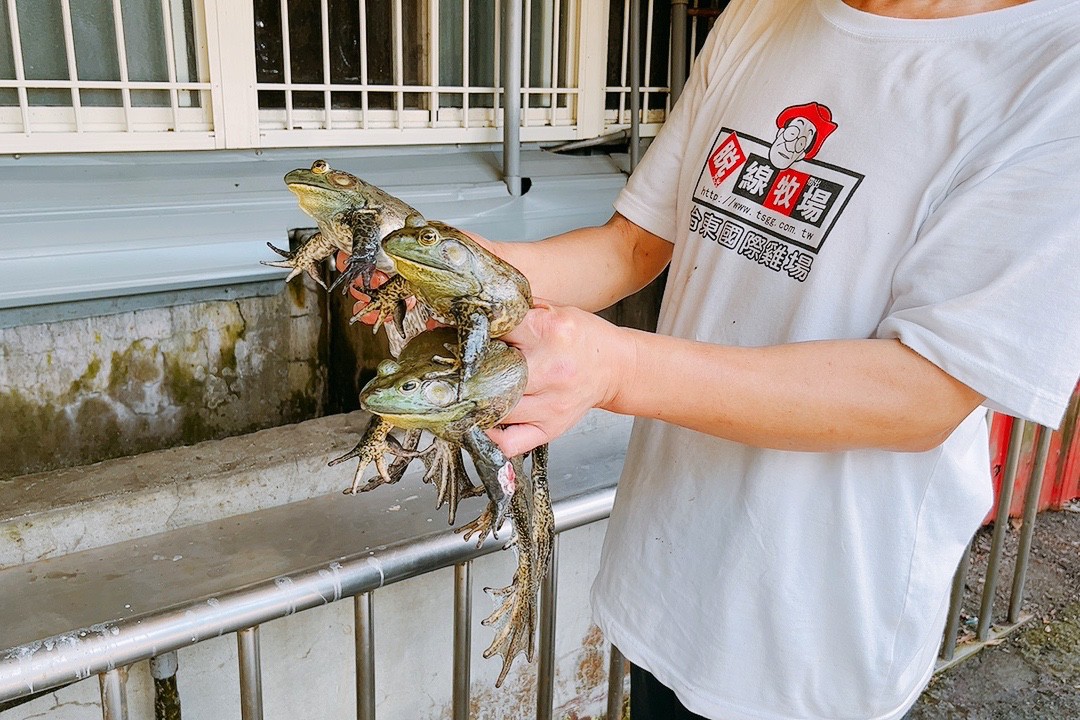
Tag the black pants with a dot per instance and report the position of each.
(649, 700)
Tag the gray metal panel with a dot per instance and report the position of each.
(88, 227)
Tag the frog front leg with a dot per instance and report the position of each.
(372, 448)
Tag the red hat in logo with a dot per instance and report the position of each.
(817, 114)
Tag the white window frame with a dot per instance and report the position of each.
(231, 119)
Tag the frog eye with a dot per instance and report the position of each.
(409, 386)
(439, 393)
(428, 237)
(342, 179)
(319, 167)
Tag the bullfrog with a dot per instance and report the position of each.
(444, 466)
(421, 390)
(416, 392)
(353, 216)
(462, 283)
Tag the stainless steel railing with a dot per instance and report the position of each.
(53, 662)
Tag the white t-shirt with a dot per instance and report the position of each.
(925, 186)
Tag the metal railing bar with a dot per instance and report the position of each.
(556, 20)
(956, 602)
(58, 660)
(251, 700)
(1001, 527)
(545, 666)
(1031, 509)
(114, 694)
(462, 641)
(364, 637)
(616, 672)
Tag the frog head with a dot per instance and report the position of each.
(434, 255)
(325, 193)
(415, 395)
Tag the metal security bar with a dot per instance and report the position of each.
(418, 70)
(212, 74)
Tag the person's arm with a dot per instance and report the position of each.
(814, 396)
(590, 268)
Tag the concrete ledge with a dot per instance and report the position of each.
(48, 514)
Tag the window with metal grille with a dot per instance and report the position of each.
(106, 75)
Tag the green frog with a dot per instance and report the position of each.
(462, 284)
(353, 216)
(416, 392)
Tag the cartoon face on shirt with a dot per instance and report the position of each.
(791, 143)
(801, 130)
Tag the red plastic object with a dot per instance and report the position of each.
(1061, 480)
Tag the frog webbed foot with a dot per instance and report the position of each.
(389, 301)
(446, 471)
(306, 258)
(371, 448)
(481, 526)
(515, 636)
(517, 611)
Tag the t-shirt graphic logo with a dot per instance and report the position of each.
(773, 203)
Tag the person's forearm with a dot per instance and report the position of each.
(590, 268)
(815, 396)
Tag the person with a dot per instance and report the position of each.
(868, 211)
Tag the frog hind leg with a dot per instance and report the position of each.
(371, 448)
(542, 516)
(306, 258)
(498, 476)
(517, 612)
(389, 301)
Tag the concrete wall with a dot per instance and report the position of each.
(83, 390)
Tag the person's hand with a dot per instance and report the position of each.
(575, 361)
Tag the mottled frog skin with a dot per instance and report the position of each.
(462, 283)
(417, 392)
(353, 216)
